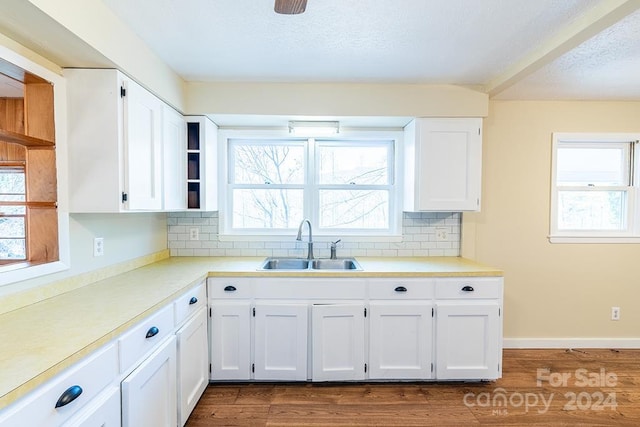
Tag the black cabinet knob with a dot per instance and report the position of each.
(467, 288)
(152, 332)
(69, 395)
(229, 288)
(401, 289)
(193, 300)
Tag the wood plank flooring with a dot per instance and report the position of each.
(539, 387)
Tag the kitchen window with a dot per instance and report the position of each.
(344, 186)
(594, 186)
(13, 211)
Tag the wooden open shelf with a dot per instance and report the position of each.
(27, 141)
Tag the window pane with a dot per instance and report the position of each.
(360, 165)
(595, 166)
(267, 164)
(591, 210)
(354, 209)
(278, 208)
(13, 210)
(12, 227)
(12, 249)
(12, 181)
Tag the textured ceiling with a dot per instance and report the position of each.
(465, 42)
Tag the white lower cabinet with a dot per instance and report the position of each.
(149, 395)
(400, 340)
(337, 335)
(231, 340)
(280, 341)
(339, 329)
(469, 328)
(468, 342)
(104, 411)
(193, 363)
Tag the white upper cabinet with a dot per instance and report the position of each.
(443, 164)
(116, 137)
(174, 167)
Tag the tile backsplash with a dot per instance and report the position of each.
(418, 239)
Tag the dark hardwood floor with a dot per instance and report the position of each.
(539, 387)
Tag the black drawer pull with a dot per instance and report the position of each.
(401, 289)
(193, 300)
(152, 332)
(229, 288)
(69, 395)
(467, 288)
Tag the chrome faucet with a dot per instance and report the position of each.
(310, 244)
(333, 248)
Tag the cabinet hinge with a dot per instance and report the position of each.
(124, 197)
(210, 312)
(253, 367)
(365, 312)
(478, 131)
(365, 368)
(209, 367)
(254, 312)
(123, 92)
(432, 367)
(433, 312)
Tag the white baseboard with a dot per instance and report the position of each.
(571, 343)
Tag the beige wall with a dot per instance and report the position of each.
(551, 290)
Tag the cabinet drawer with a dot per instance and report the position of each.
(401, 289)
(229, 287)
(189, 303)
(144, 337)
(38, 408)
(302, 288)
(469, 288)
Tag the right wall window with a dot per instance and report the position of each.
(593, 197)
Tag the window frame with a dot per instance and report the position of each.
(25, 270)
(21, 167)
(370, 136)
(631, 231)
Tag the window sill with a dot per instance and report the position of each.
(593, 239)
(17, 272)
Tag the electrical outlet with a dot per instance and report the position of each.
(442, 233)
(98, 246)
(615, 313)
(194, 234)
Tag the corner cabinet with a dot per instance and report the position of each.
(116, 145)
(443, 164)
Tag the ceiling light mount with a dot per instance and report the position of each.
(314, 128)
(290, 7)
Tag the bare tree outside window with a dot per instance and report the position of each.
(274, 184)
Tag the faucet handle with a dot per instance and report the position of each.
(333, 244)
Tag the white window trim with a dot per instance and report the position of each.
(395, 230)
(632, 232)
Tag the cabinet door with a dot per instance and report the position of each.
(103, 411)
(231, 341)
(174, 169)
(143, 148)
(468, 341)
(149, 392)
(281, 342)
(449, 164)
(338, 342)
(400, 340)
(193, 363)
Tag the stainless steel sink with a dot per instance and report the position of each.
(335, 264)
(301, 264)
(285, 264)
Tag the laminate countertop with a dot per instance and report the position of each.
(42, 339)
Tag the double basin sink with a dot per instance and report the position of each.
(301, 264)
